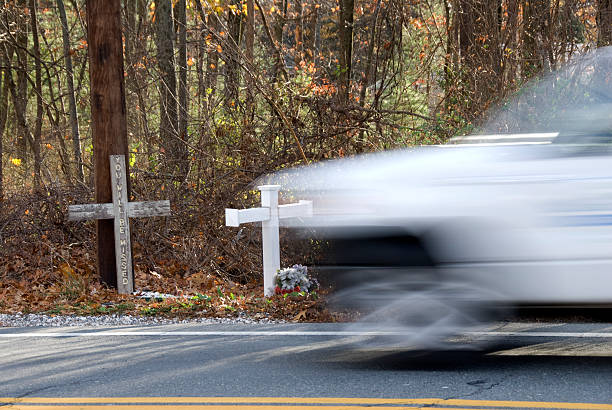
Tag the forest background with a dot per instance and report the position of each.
(220, 92)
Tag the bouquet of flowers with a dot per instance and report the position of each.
(294, 279)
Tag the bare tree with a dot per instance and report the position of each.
(277, 36)
(36, 141)
(249, 52)
(181, 13)
(211, 24)
(478, 53)
(74, 120)
(55, 114)
(212, 60)
(4, 73)
(21, 51)
(168, 127)
(370, 57)
(345, 23)
(298, 33)
(604, 22)
(232, 52)
(536, 36)
(22, 122)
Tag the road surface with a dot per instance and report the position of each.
(300, 366)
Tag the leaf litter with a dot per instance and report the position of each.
(35, 280)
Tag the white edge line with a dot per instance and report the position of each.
(292, 333)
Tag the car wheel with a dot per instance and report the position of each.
(409, 305)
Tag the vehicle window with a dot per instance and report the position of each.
(576, 102)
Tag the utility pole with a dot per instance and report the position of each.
(108, 116)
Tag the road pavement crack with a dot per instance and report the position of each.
(482, 387)
(485, 388)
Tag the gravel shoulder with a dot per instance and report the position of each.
(40, 320)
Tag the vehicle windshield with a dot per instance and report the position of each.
(575, 101)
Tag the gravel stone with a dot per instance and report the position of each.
(38, 320)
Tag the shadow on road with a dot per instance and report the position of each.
(501, 356)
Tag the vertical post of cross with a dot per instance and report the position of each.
(269, 214)
(123, 246)
(270, 236)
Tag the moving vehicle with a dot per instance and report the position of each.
(431, 239)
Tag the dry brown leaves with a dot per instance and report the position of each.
(45, 278)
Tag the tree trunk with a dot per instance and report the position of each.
(54, 121)
(250, 57)
(22, 122)
(131, 57)
(4, 73)
(211, 21)
(510, 43)
(22, 76)
(74, 120)
(182, 90)
(248, 139)
(232, 65)
(136, 12)
(19, 100)
(536, 22)
(38, 90)
(108, 115)
(278, 28)
(298, 33)
(347, 8)
(604, 23)
(310, 33)
(369, 56)
(168, 127)
(478, 54)
(212, 62)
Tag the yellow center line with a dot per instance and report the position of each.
(192, 403)
(232, 407)
(217, 406)
(226, 407)
(220, 406)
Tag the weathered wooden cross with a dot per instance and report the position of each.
(120, 210)
(269, 215)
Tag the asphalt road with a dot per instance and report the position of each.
(243, 366)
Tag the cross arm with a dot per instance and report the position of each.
(301, 209)
(148, 208)
(235, 217)
(90, 211)
(107, 211)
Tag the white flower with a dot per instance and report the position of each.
(290, 278)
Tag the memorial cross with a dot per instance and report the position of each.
(269, 215)
(120, 210)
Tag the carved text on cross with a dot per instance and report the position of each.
(120, 210)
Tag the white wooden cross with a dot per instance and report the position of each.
(120, 210)
(269, 215)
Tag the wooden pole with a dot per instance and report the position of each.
(108, 116)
